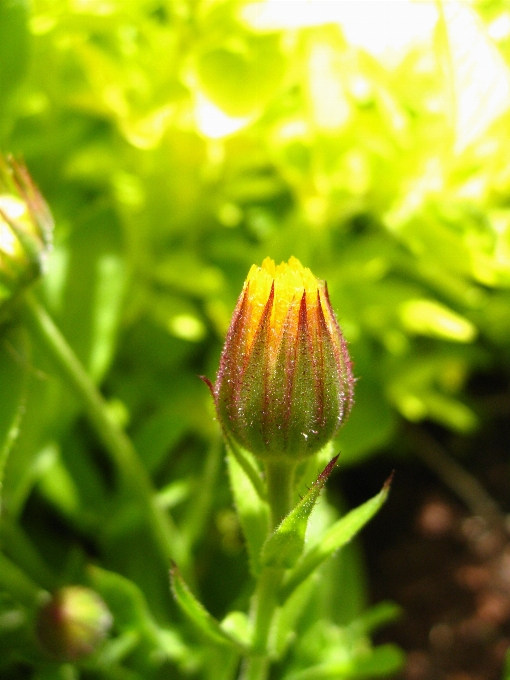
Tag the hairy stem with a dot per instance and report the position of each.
(280, 486)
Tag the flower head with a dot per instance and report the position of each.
(26, 228)
(285, 381)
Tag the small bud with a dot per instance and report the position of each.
(285, 381)
(73, 623)
(26, 228)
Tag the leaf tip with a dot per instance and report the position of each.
(175, 572)
(328, 469)
(209, 384)
(388, 482)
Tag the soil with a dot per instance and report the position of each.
(448, 567)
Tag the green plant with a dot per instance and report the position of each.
(178, 143)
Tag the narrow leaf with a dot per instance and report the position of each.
(134, 620)
(252, 511)
(196, 611)
(284, 547)
(335, 537)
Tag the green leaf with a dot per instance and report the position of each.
(337, 536)
(381, 661)
(124, 599)
(197, 613)
(133, 618)
(14, 581)
(475, 72)
(237, 625)
(377, 616)
(13, 44)
(370, 426)
(241, 78)
(284, 547)
(85, 287)
(13, 372)
(252, 511)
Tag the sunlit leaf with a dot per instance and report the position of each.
(14, 42)
(285, 545)
(478, 75)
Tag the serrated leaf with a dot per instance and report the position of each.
(284, 547)
(335, 537)
(197, 613)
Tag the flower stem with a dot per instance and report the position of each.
(280, 486)
(115, 441)
(265, 601)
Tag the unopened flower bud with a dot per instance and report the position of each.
(285, 381)
(26, 228)
(73, 623)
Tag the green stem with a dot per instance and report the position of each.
(279, 483)
(114, 440)
(206, 483)
(280, 487)
(264, 604)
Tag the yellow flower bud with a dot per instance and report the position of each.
(26, 228)
(285, 381)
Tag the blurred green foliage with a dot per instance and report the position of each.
(178, 142)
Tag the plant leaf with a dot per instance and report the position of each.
(284, 547)
(14, 39)
(252, 511)
(381, 661)
(133, 618)
(335, 537)
(197, 613)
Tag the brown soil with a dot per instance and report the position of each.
(448, 568)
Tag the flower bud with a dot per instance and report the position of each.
(285, 381)
(26, 228)
(73, 623)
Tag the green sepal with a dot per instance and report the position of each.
(284, 547)
(198, 614)
(335, 537)
(253, 512)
